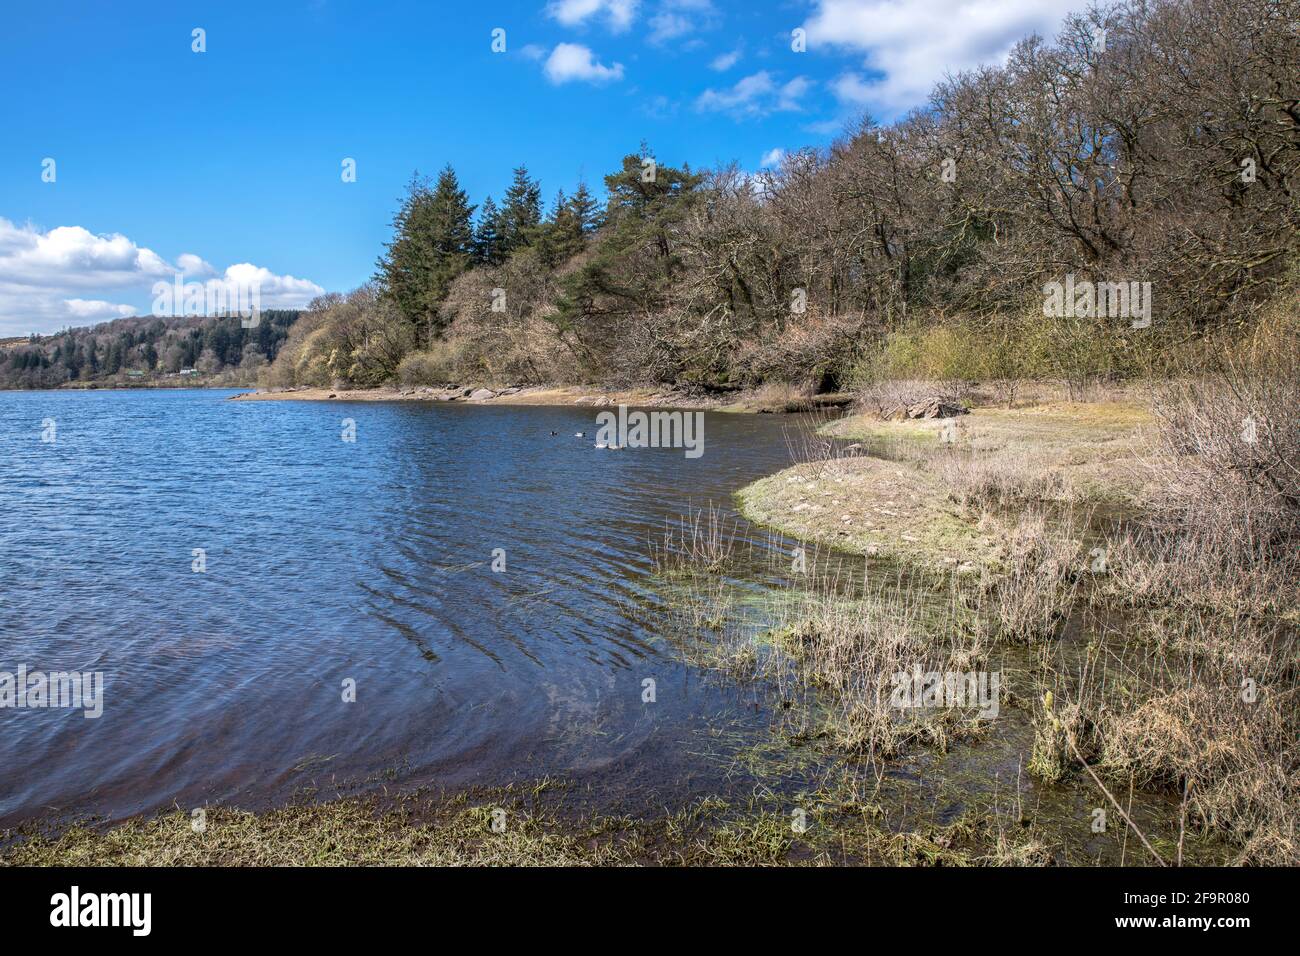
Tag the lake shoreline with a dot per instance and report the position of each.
(547, 395)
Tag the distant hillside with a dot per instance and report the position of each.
(147, 350)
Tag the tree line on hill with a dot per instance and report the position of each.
(148, 350)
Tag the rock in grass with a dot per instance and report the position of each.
(935, 408)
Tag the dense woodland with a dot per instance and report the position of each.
(1152, 142)
(147, 350)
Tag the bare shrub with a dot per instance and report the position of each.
(813, 346)
(439, 365)
(891, 398)
(353, 340)
(1229, 447)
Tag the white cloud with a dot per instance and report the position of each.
(725, 61)
(755, 95)
(666, 26)
(96, 310)
(71, 276)
(71, 253)
(772, 158)
(791, 93)
(618, 14)
(532, 51)
(744, 97)
(277, 291)
(677, 18)
(573, 61)
(910, 45)
(193, 266)
(852, 88)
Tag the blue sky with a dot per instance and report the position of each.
(169, 160)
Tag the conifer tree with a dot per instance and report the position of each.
(487, 238)
(521, 212)
(433, 238)
(585, 209)
(642, 213)
(562, 235)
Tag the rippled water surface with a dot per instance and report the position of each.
(329, 560)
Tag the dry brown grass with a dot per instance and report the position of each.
(1000, 481)
(1225, 737)
(1036, 586)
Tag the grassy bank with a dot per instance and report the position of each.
(936, 493)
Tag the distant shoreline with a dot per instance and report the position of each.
(131, 387)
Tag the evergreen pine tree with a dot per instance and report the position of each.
(562, 235)
(585, 209)
(487, 238)
(521, 213)
(641, 214)
(433, 238)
